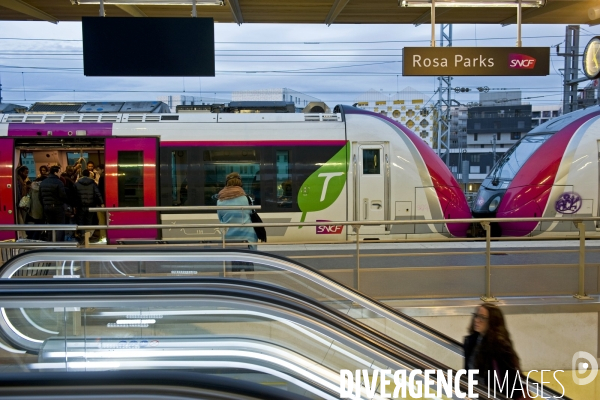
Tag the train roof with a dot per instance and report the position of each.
(558, 123)
(169, 118)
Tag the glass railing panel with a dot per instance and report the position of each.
(220, 331)
(107, 338)
(256, 267)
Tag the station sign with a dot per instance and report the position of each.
(476, 61)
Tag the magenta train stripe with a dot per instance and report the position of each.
(528, 193)
(60, 129)
(269, 143)
(452, 200)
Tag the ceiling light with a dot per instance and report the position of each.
(152, 2)
(473, 3)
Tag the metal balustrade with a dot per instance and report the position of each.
(357, 272)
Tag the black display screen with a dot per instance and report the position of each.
(148, 46)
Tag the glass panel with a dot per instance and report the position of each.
(28, 161)
(218, 163)
(246, 342)
(516, 156)
(284, 180)
(257, 271)
(371, 162)
(130, 173)
(179, 177)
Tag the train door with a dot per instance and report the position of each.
(7, 194)
(131, 176)
(372, 173)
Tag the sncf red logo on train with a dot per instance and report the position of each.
(520, 61)
(328, 229)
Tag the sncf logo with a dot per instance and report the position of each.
(328, 229)
(521, 61)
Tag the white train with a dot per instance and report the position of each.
(351, 165)
(552, 172)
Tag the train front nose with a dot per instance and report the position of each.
(487, 202)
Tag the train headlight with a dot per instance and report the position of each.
(494, 204)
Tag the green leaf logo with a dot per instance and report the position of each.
(323, 186)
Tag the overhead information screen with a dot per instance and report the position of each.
(148, 46)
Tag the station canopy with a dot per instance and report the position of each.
(314, 11)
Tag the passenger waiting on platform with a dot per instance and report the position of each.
(36, 211)
(22, 191)
(489, 349)
(101, 216)
(87, 195)
(53, 197)
(68, 178)
(234, 195)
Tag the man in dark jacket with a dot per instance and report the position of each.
(53, 198)
(87, 195)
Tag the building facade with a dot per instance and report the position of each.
(541, 114)
(492, 127)
(497, 126)
(407, 107)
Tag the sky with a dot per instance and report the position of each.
(40, 61)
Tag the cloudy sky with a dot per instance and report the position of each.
(40, 61)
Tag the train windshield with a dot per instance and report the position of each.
(515, 157)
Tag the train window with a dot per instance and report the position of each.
(179, 177)
(284, 179)
(371, 162)
(218, 163)
(513, 159)
(130, 172)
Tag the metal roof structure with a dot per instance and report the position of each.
(306, 11)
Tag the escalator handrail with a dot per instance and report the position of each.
(222, 288)
(161, 381)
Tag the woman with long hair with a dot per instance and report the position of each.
(233, 195)
(489, 349)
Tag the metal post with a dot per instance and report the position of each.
(432, 23)
(488, 264)
(54, 235)
(444, 103)
(223, 232)
(581, 292)
(519, 24)
(357, 272)
(102, 13)
(86, 244)
(194, 13)
(570, 75)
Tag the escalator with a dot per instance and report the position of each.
(238, 329)
(299, 338)
(135, 385)
(131, 263)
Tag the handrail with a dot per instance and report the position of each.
(356, 225)
(278, 301)
(163, 383)
(173, 208)
(5, 227)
